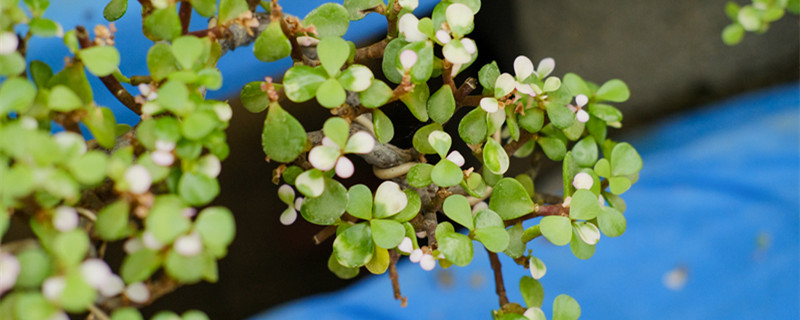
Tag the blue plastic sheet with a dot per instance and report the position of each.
(716, 205)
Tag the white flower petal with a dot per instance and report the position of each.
(344, 168)
(416, 255)
(112, 286)
(505, 83)
(546, 66)
(137, 292)
(138, 179)
(489, 105)
(537, 268)
(188, 245)
(581, 100)
(427, 262)
(8, 42)
(65, 218)
(53, 287)
(9, 271)
(323, 157)
(288, 216)
(582, 116)
(408, 25)
(209, 165)
(582, 180)
(469, 45)
(96, 272)
(408, 59)
(360, 143)
(406, 245)
(443, 36)
(162, 158)
(523, 67)
(456, 158)
(389, 198)
(459, 15)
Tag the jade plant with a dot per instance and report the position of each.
(146, 189)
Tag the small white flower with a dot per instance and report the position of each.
(52, 288)
(162, 158)
(408, 59)
(489, 105)
(581, 100)
(65, 218)
(479, 206)
(288, 216)
(188, 245)
(146, 91)
(408, 25)
(582, 180)
(96, 272)
(138, 179)
(523, 67)
(210, 165)
(582, 116)
(9, 271)
(133, 245)
(416, 255)
(469, 45)
(112, 286)
(150, 241)
(137, 292)
(8, 42)
(456, 158)
(406, 245)
(546, 66)
(344, 168)
(443, 36)
(427, 262)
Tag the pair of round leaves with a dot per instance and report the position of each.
(362, 243)
(487, 225)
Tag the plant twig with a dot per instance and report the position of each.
(372, 51)
(393, 172)
(185, 14)
(541, 211)
(513, 146)
(98, 313)
(393, 257)
(500, 288)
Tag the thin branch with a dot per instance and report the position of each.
(541, 211)
(324, 234)
(373, 51)
(98, 313)
(500, 288)
(513, 146)
(185, 14)
(111, 83)
(472, 100)
(465, 89)
(393, 257)
(393, 172)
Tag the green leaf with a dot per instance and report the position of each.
(625, 160)
(613, 90)
(412, 207)
(12, 64)
(420, 139)
(387, 233)
(230, 9)
(253, 98)
(423, 68)
(341, 271)
(446, 174)
(440, 141)
(187, 50)
(328, 207)
(532, 292)
(206, 8)
(376, 95)
(557, 229)
(566, 308)
(74, 78)
(733, 34)
(29, 305)
(197, 125)
(611, 222)
(457, 208)
(487, 76)
(585, 152)
(359, 202)
(494, 157)
(63, 99)
(160, 61)
(390, 54)
(174, 96)
(100, 60)
(166, 220)
(311, 183)
(576, 85)
(554, 148)
(43, 27)
(618, 185)
(560, 115)
(102, 125)
(356, 8)
(379, 262)
(456, 247)
(749, 18)
(579, 248)
(301, 82)
(605, 112)
(441, 105)
(34, 266)
(70, 247)
(510, 200)
(419, 176)
(495, 239)
(197, 189)
(184, 269)
(354, 246)
(532, 120)
(272, 44)
(333, 53)
(283, 138)
(77, 295)
(384, 129)
(330, 20)
(472, 127)
(356, 78)
(417, 101)
(140, 265)
(331, 94)
(112, 221)
(338, 130)
(164, 24)
(475, 185)
(216, 227)
(16, 95)
(584, 205)
(389, 200)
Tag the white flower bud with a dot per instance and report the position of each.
(427, 262)
(582, 116)
(96, 272)
(52, 288)
(133, 245)
(144, 89)
(9, 271)
(443, 36)
(188, 245)
(581, 100)
(489, 105)
(523, 67)
(416, 255)
(138, 179)
(150, 241)
(288, 216)
(162, 158)
(137, 292)
(582, 180)
(456, 158)
(65, 218)
(112, 286)
(8, 42)
(406, 245)
(408, 59)
(344, 168)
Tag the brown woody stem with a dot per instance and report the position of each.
(500, 288)
(185, 14)
(393, 257)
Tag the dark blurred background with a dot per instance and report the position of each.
(668, 52)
